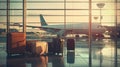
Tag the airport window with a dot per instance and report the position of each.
(69, 19)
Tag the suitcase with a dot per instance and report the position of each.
(50, 48)
(70, 44)
(57, 45)
(37, 47)
(16, 43)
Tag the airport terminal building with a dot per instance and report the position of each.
(59, 33)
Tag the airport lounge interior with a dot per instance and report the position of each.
(59, 33)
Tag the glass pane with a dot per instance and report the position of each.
(3, 5)
(16, 5)
(43, 6)
(16, 18)
(2, 12)
(16, 12)
(3, 19)
(45, 12)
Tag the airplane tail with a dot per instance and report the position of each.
(43, 22)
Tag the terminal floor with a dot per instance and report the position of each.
(102, 55)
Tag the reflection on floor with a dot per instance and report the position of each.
(103, 55)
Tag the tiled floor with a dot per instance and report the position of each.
(102, 55)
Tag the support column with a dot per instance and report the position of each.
(24, 16)
(90, 24)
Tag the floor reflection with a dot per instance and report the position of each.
(70, 57)
(57, 61)
(41, 61)
(103, 55)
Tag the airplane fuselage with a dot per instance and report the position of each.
(79, 28)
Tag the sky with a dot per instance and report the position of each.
(80, 15)
(53, 11)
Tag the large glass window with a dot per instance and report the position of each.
(68, 13)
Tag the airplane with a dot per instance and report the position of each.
(77, 28)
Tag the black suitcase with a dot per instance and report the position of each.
(50, 48)
(57, 45)
(70, 44)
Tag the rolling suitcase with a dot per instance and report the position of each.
(57, 45)
(16, 43)
(70, 44)
(50, 48)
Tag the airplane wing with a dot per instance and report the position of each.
(52, 30)
(33, 26)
